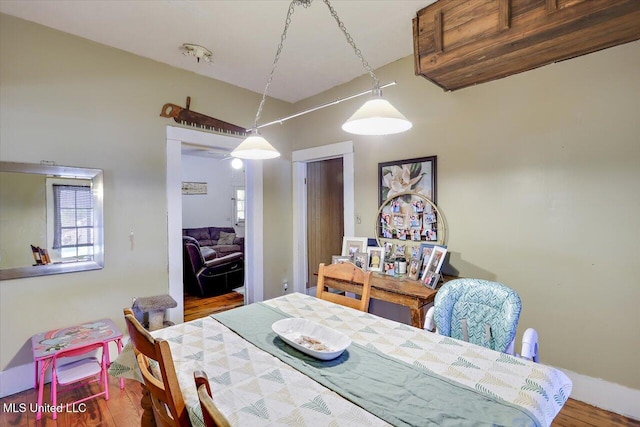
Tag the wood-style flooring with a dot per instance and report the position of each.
(123, 407)
(123, 410)
(195, 307)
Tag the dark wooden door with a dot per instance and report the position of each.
(325, 214)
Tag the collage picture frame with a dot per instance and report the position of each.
(409, 217)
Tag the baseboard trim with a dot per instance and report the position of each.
(605, 395)
(17, 379)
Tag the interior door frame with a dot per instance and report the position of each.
(299, 159)
(254, 263)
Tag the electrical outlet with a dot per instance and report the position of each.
(285, 286)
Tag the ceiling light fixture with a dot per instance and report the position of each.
(376, 117)
(236, 163)
(199, 52)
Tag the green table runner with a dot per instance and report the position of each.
(399, 393)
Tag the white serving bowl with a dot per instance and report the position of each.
(292, 329)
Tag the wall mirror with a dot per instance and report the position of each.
(51, 220)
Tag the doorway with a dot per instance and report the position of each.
(213, 208)
(300, 159)
(325, 214)
(176, 136)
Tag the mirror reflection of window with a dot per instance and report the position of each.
(70, 220)
(73, 221)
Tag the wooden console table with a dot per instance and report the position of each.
(397, 290)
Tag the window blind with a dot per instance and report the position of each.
(73, 216)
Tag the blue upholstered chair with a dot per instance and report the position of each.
(483, 313)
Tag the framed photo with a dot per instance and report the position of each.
(424, 256)
(376, 258)
(415, 221)
(388, 249)
(339, 259)
(415, 252)
(413, 270)
(351, 245)
(399, 220)
(399, 176)
(430, 218)
(361, 260)
(431, 279)
(399, 252)
(387, 233)
(389, 268)
(435, 263)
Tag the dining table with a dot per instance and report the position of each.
(390, 374)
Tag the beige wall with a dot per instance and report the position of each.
(78, 103)
(538, 177)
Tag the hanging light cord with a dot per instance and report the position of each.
(283, 37)
(357, 51)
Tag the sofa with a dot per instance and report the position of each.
(209, 239)
(216, 276)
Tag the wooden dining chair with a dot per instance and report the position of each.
(167, 401)
(344, 272)
(210, 414)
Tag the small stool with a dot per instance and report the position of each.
(155, 308)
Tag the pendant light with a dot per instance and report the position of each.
(255, 147)
(376, 117)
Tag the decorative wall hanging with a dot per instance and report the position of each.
(409, 219)
(457, 44)
(185, 116)
(411, 175)
(194, 188)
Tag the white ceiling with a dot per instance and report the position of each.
(243, 36)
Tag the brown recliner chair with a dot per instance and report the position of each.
(212, 277)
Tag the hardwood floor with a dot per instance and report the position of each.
(195, 307)
(123, 406)
(123, 410)
(576, 413)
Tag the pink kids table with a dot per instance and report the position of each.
(46, 344)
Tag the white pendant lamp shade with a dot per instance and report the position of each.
(377, 117)
(255, 147)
